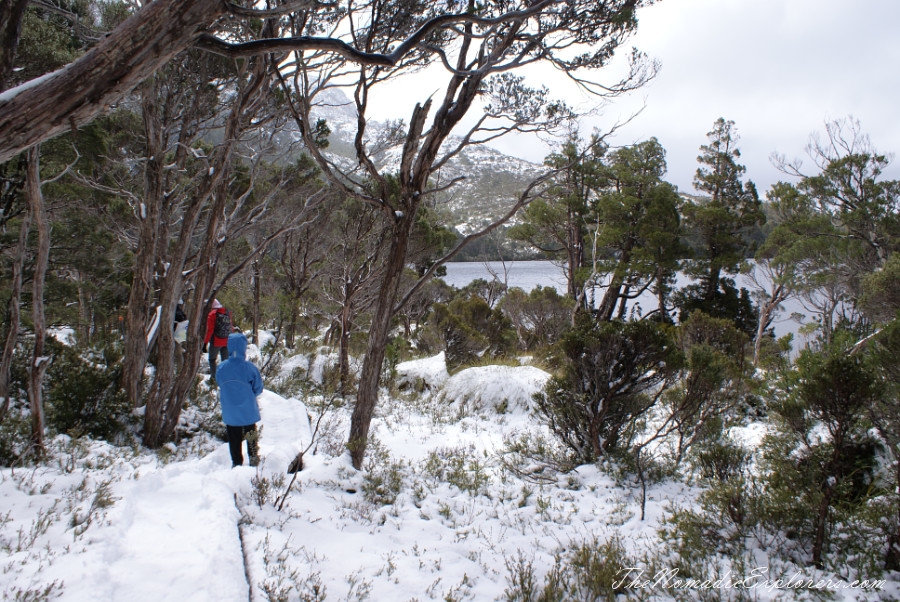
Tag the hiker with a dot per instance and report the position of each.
(239, 384)
(180, 316)
(218, 329)
(180, 326)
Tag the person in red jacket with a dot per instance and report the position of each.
(217, 342)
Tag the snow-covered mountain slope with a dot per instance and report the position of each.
(490, 181)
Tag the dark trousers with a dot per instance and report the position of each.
(236, 436)
(214, 354)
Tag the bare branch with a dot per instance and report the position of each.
(299, 43)
(287, 7)
(526, 197)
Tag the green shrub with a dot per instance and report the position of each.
(830, 392)
(467, 328)
(15, 432)
(383, 478)
(612, 370)
(82, 392)
(460, 467)
(721, 460)
(729, 303)
(540, 317)
(589, 571)
(84, 397)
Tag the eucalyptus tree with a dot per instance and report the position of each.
(478, 45)
(354, 268)
(480, 50)
(777, 272)
(844, 223)
(39, 363)
(850, 189)
(139, 46)
(47, 44)
(720, 222)
(11, 15)
(885, 412)
(301, 263)
(196, 197)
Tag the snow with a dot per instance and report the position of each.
(64, 335)
(8, 95)
(151, 332)
(432, 372)
(99, 523)
(503, 387)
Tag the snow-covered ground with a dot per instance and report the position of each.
(434, 515)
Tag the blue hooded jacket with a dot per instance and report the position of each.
(239, 384)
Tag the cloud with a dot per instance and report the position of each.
(779, 69)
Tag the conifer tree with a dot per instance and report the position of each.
(720, 223)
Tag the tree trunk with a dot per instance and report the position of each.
(611, 297)
(766, 313)
(712, 283)
(344, 347)
(256, 294)
(85, 316)
(167, 396)
(661, 295)
(13, 311)
(367, 396)
(11, 13)
(623, 302)
(149, 214)
(77, 93)
(821, 524)
(575, 261)
(291, 329)
(39, 363)
(892, 557)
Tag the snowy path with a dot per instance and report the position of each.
(173, 533)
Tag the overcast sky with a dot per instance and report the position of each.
(777, 68)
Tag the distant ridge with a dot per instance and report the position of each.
(492, 180)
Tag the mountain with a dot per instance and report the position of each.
(491, 183)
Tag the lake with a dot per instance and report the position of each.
(529, 274)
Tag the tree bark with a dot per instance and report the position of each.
(892, 556)
(712, 282)
(611, 297)
(344, 346)
(662, 294)
(766, 314)
(11, 13)
(821, 525)
(13, 310)
(367, 396)
(75, 94)
(149, 218)
(256, 294)
(39, 363)
(166, 398)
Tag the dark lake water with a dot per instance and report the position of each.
(530, 274)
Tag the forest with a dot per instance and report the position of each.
(197, 165)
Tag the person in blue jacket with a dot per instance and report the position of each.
(239, 384)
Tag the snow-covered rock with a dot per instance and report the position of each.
(502, 388)
(430, 372)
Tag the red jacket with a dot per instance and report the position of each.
(211, 326)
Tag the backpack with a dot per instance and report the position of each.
(223, 325)
(181, 331)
